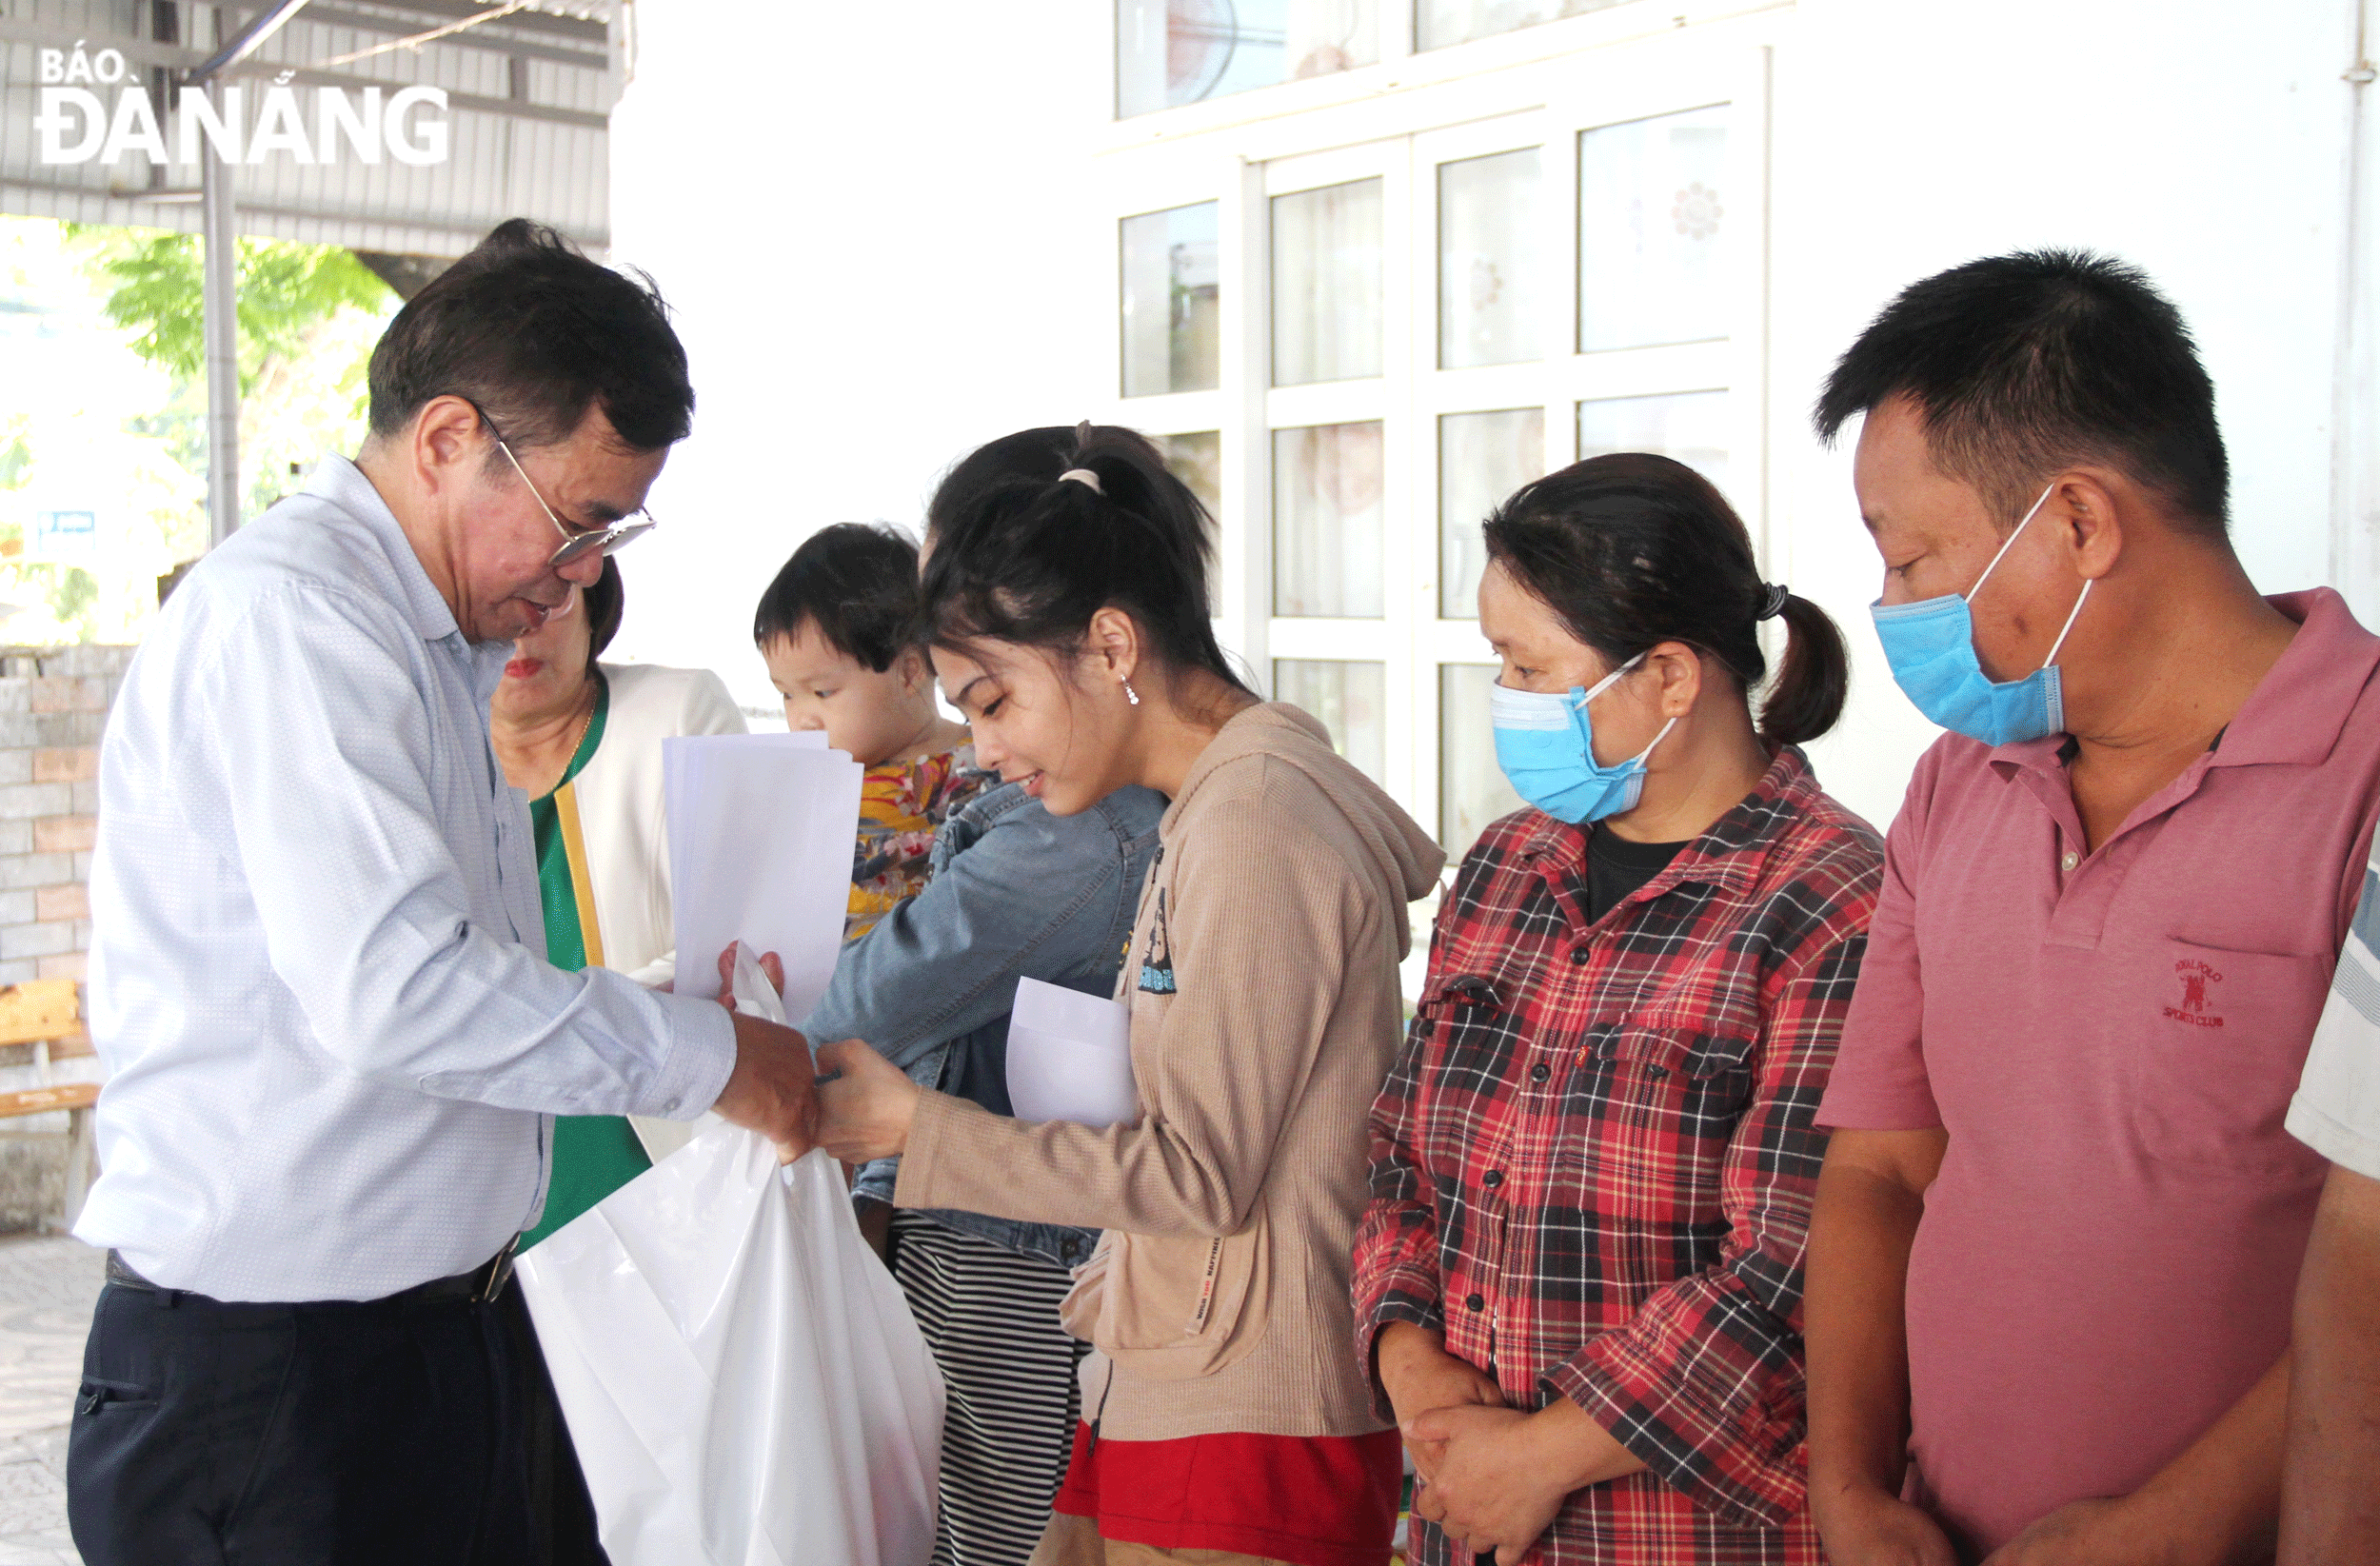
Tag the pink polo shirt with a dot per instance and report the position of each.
(2110, 1038)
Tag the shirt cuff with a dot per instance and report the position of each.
(2341, 1144)
(702, 1057)
(1404, 1301)
(1720, 1447)
(932, 1125)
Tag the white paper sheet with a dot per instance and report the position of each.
(760, 835)
(1070, 1057)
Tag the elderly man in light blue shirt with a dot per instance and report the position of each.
(318, 974)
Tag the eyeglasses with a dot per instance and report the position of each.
(576, 544)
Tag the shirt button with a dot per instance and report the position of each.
(2069, 861)
(1540, 1071)
(1068, 1248)
(1493, 1178)
(671, 1107)
(1475, 1302)
(1580, 954)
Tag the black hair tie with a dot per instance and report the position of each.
(1775, 604)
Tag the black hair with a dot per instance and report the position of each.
(2022, 365)
(1017, 554)
(1631, 550)
(605, 600)
(857, 583)
(535, 334)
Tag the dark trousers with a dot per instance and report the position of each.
(318, 1434)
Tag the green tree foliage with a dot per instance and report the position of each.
(309, 315)
(70, 592)
(287, 291)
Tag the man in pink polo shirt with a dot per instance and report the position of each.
(2059, 1222)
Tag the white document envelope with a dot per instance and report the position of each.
(1070, 1057)
(761, 829)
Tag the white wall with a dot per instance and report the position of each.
(865, 219)
(882, 253)
(2200, 140)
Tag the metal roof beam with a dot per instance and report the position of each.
(247, 40)
(481, 39)
(577, 28)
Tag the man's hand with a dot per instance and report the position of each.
(773, 1089)
(772, 969)
(1420, 1376)
(2083, 1533)
(1868, 1527)
(1871, 1195)
(867, 1103)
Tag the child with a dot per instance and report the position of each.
(832, 629)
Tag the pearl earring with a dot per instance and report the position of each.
(1131, 695)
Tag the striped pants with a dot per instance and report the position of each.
(991, 1317)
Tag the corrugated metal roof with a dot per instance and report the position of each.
(528, 98)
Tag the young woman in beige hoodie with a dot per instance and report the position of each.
(1226, 1417)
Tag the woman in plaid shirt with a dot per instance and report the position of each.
(1578, 1281)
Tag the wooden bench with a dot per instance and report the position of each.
(46, 1014)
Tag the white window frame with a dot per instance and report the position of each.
(1542, 87)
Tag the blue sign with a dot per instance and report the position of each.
(67, 537)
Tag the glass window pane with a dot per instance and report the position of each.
(1326, 284)
(1481, 459)
(1487, 248)
(1351, 698)
(1689, 426)
(1170, 53)
(1652, 219)
(1197, 460)
(1327, 521)
(1171, 291)
(1437, 23)
(1471, 788)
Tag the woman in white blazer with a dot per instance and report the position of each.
(583, 738)
(620, 807)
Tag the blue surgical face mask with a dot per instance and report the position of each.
(1545, 743)
(1931, 644)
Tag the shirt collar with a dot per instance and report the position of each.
(1730, 852)
(345, 485)
(2297, 711)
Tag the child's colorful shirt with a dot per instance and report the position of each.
(902, 805)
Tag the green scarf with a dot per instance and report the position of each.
(594, 1155)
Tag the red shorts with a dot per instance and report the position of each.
(1313, 1500)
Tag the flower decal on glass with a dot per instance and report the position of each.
(1487, 283)
(1696, 211)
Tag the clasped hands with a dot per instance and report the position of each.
(1491, 1477)
(852, 1102)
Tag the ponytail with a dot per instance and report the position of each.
(1812, 679)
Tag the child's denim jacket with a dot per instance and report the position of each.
(1015, 893)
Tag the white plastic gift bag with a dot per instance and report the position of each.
(741, 1377)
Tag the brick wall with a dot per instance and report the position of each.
(53, 701)
(52, 704)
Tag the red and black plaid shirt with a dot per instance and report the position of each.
(1593, 1166)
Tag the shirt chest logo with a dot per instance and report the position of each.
(2197, 981)
(1156, 968)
